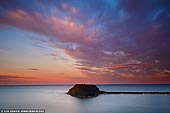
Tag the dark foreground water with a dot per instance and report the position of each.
(54, 100)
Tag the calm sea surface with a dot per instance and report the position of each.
(54, 100)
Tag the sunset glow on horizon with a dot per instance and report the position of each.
(84, 41)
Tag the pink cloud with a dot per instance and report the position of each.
(64, 6)
(134, 64)
(91, 51)
(73, 10)
(59, 28)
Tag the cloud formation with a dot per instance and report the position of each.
(33, 69)
(7, 77)
(106, 38)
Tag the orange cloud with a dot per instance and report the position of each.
(4, 77)
(12, 79)
(33, 69)
(134, 64)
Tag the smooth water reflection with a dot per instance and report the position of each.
(54, 100)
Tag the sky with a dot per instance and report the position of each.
(84, 41)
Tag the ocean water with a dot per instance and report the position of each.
(54, 100)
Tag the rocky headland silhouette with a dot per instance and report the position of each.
(90, 90)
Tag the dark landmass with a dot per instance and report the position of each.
(86, 91)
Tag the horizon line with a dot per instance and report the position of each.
(83, 83)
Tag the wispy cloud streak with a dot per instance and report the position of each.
(106, 38)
